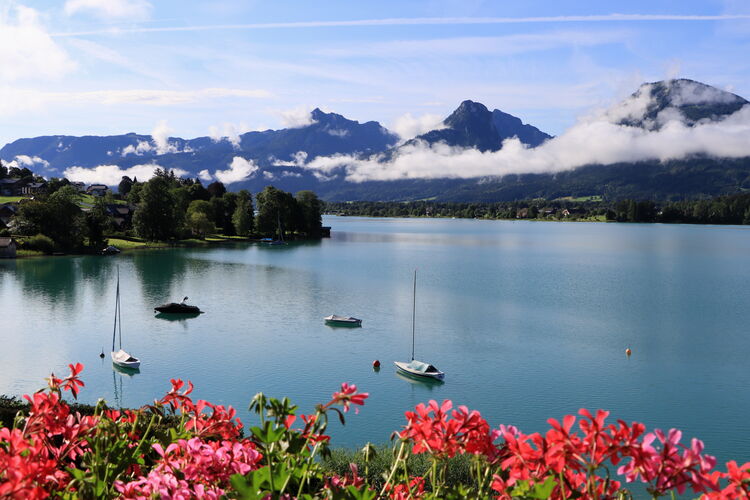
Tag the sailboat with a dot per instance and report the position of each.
(120, 357)
(414, 367)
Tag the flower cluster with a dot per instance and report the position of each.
(180, 448)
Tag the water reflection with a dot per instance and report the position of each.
(429, 383)
(182, 317)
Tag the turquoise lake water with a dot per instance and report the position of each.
(529, 320)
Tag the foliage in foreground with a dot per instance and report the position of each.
(202, 453)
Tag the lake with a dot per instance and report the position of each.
(529, 320)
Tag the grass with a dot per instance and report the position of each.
(22, 252)
(11, 199)
(338, 463)
(134, 243)
(581, 199)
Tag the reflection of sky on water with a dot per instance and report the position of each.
(528, 320)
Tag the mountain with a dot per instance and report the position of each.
(509, 126)
(472, 125)
(653, 103)
(363, 161)
(327, 134)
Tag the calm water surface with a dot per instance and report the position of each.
(528, 320)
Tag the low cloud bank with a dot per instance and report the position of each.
(600, 138)
(408, 126)
(239, 170)
(26, 161)
(111, 175)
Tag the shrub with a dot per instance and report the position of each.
(40, 243)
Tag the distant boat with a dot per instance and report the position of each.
(178, 308)
(414, 367)
(335, 320)
(121, 357)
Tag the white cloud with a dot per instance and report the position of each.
(426, 21)
(477, 46)
(21, 161)
(228, 132)
(596, 139)
(268, 176)
(408, 126)
(239, 170)
(160, 136)
(297, 118)
(111, 9)
(111, 175)
(27, 51)
(140, 149)
(337, 132)
(15, 100)
(298, 160)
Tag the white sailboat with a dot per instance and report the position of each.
(414, 367)
(121, 357)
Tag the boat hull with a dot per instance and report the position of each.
(125, 360)
(175, 308)
(404, 367)
(352, 324)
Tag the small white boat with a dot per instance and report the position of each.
(414, 367)
(342, 320)
(121, 357)
(419, 369)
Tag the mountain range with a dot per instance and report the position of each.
(343, 159)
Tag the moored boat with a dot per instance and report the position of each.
(336, 320)
(121, 357)
(419, 369)
(178, 308)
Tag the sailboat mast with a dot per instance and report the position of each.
(413, 313)
(117, 307)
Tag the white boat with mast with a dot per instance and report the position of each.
(414, 367)
(121, 357)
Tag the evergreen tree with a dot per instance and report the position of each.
(243, 217)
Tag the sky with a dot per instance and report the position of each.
(188, 68)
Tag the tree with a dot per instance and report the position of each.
(310, 208)
(155, 218)
(3, 171)
(216, 189)
(125, 186)
(96, 222)
(243, 218)
(57, 216)
(200, 224)
(275, 206)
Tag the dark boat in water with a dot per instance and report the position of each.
(178, 308)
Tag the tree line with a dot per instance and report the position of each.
(727, 209)
(166, 208)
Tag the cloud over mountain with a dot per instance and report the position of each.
(662, 121)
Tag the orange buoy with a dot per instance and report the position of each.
(628, 351)
(376, 364)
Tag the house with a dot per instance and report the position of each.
(34, 188)
(97, 190)
(80, 186)
(122, 215)
(567, 212)
(7, 248)
(7, 212)
(522, 213)
(10, 187)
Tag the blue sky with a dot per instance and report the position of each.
(102, 67)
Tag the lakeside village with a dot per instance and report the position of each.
(56, 216)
